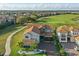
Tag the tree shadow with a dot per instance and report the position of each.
(8, 29)
(41, 21)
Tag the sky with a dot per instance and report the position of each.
(39, 6)
(39, 1)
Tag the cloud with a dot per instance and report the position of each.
(39, 6)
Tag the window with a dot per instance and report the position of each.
(47, 30)
(63, 35)
(43, 29)
(63, 39)
(26, 37)
(75, 33)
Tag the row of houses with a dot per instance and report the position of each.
(39, 13)
(39, 33)
(10, 16)
(7, 19)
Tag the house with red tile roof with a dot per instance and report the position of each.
(77, 42)
(37, 33)
(67, 33)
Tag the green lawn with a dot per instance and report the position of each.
(60, 19)
(14, 42)
(4, 33)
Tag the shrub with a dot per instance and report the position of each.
(27, 48)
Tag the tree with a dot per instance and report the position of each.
(33, 18)
(20, 44)
(22, 19)
(33, 46)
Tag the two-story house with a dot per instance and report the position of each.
(37, 33)
(67, 33)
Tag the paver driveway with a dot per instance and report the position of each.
(69, 48)
(49, 47)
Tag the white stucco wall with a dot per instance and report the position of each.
(60, 37)
(33, 35)
(72, 39)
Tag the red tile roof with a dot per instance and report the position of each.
(76, 37)
(63, 29)
(36, 28)
(67, 28)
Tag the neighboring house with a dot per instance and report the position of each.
(2, 19)
(7, 19)
(11, 19)
(77, 42)
(37, 33)
(67, 33)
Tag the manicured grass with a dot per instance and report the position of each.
(14, 42)
(4, 33)
(60, 19)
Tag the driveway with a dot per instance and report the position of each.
(49, 47)
(69, 48)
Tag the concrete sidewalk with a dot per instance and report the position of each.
(7, 46)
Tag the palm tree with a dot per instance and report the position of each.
(20, 44)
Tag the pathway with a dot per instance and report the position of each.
(7, 46)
